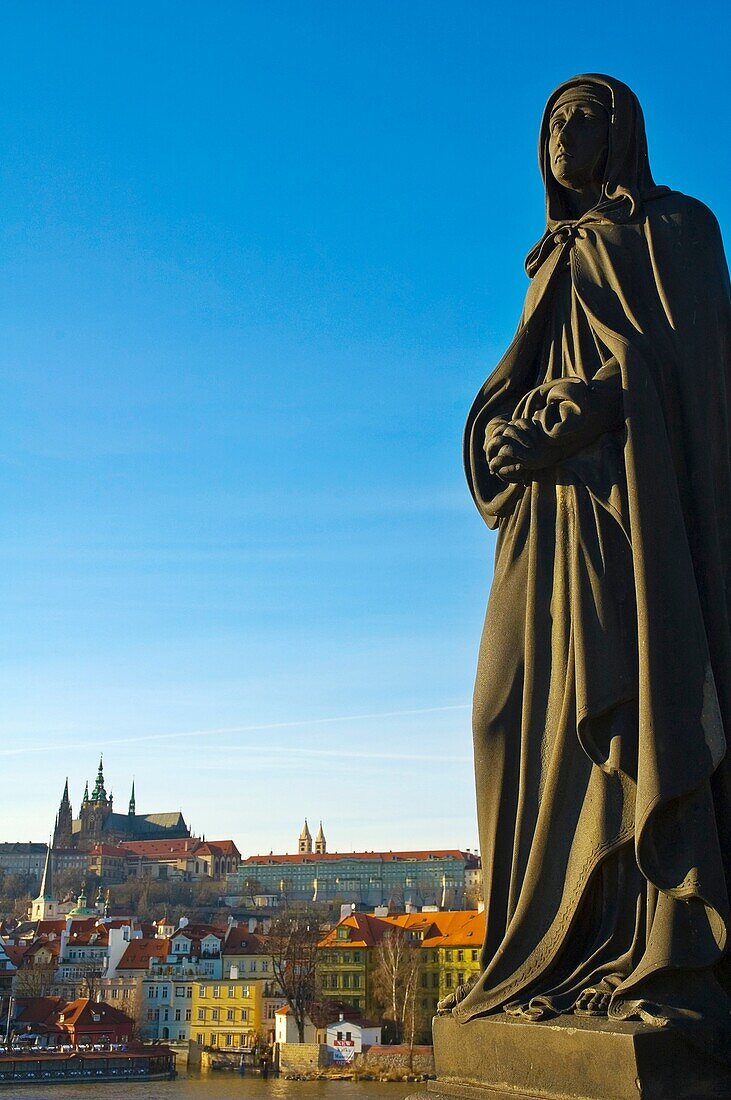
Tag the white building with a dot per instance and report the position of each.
(345, 1038)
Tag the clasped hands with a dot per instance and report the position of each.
(515, 449)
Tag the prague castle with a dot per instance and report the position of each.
(98, 823)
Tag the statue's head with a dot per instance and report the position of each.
(592, 142)
(578, 138)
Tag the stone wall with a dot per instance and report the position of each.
(302, 1057)
(382, 1059)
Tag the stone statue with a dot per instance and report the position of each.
(600, 448)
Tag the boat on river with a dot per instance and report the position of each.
(134, 1062)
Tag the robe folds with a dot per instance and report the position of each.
(603, 694)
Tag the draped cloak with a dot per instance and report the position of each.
(604, 680)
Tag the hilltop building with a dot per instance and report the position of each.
(99, 823)
(23, 859)
(401, 880)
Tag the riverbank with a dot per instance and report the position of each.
(391, 1076)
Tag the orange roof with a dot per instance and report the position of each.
(139, 952)
(461, 928)
(83, 1010)
(386, 857)
(162, 849)
(221, 848)
(108, 850)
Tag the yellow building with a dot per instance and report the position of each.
(227, 1012)
(249, 954)
(449, 954)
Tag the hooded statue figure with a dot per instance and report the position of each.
(600, 449)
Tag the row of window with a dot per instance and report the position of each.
(449, 979)
(341, 981)
(154, 1014)
(216, 1014)
(461, 955)
(225, 1040)
(163, 992)
(244, 990)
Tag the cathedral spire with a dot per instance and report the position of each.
(62, 833)
(85, 799)
(99, 794)
(132, 801)
(320, 842)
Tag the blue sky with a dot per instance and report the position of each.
(256, 259)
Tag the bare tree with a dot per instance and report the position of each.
(292, 942)
(395, 984)
(91, 982)
(35, 980)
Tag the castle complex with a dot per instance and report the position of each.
(98, 823)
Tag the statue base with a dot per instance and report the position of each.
(577, 1058)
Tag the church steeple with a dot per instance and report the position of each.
(44, 906)
(131, 810)
(305, 840)
(99, 793)
(85, 799)
(320, 842)
(46, 890)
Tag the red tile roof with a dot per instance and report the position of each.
(45, 927)
(38, 1010)
(108, 850)
(221, 848)
(387, 857)
(140, 951)
(82, 1012)
(161, 849)
(15, 952)
(240, 941)
(198, 932)
(41, 944)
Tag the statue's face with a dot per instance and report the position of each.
(578, 142)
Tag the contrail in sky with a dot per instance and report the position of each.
(256, 728)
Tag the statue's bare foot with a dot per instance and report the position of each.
(446, 1004)
(592, 1002)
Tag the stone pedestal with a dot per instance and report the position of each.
(575, 1058)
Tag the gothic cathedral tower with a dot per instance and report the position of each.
(62, 833)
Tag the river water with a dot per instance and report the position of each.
(216, 1086)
